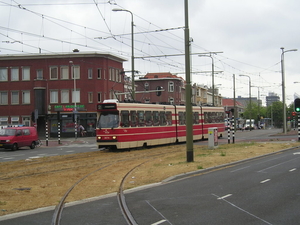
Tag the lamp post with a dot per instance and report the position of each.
(75, 106)
(208, 54)
(132, 49)
(283, 86)
(249, 99)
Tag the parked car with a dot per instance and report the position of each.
(16, 137)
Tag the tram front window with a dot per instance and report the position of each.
(108, 120)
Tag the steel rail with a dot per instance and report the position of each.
(59, 208)
(122, 202)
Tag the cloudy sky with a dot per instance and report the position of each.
(247, 35)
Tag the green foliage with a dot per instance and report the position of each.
(274, 112)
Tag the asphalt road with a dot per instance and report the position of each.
(88, 144)
(260, 191)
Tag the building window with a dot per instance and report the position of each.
(147, 86)
(26, 121)
(3, 98)
(117, 75)
(53, 73)
(39, 74)
(109, 74)
(14, 74)
(120, 76)
(3, 121)
(25, 73)
(171, 100)
(54, 96)
(99, 73)
(90, 97)
(26, 97)
(64, 96)
(99, 97)
(14, 120)
(3, 74)
(14, 97)
(171, 86)
(90, 73)
(76, 96)
(64, 72)
(76, 72)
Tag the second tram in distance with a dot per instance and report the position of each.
(132, 125)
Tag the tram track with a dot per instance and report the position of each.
(120, 194)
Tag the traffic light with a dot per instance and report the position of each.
(297, 105)
(294, 113)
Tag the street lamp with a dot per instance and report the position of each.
(283, 86)
(208, 54)
(74, 96)
(132, 49)
(249, 98)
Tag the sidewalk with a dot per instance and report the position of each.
(54, 142)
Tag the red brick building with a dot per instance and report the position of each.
(173, 88)
(34, 87)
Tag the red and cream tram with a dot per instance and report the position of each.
(132, 125)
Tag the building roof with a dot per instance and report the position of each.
(160, 75)
(62, 55)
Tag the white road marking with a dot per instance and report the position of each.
(264, 181)
(225, 196)
(292, 170)
(244, 211)
(159, 222)
(239, 169)
(296, 153)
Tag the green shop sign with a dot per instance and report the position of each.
(68, 108)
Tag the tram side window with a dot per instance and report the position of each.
(155, 118)
(141, 118)
(205, 117)
(162, 118)
(169, 118)
(196, 118)
(125, 118)
(181, 118)
(148, 117)
(133, 118)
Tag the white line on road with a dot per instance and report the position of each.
(292, 170)
(239, 169)
(159, 222)
(225, 196)
(264, 181)
(244, 211)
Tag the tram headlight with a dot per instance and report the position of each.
(114, 137)
(99, 138)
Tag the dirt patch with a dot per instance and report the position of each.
(35, 183)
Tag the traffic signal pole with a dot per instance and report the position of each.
(298, 127)
(297, 110)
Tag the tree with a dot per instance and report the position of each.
(275, 112)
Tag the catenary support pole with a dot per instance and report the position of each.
(188, 91)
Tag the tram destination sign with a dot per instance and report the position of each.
(68, 108)
(107, 106)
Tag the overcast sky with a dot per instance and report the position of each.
(248, 33)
